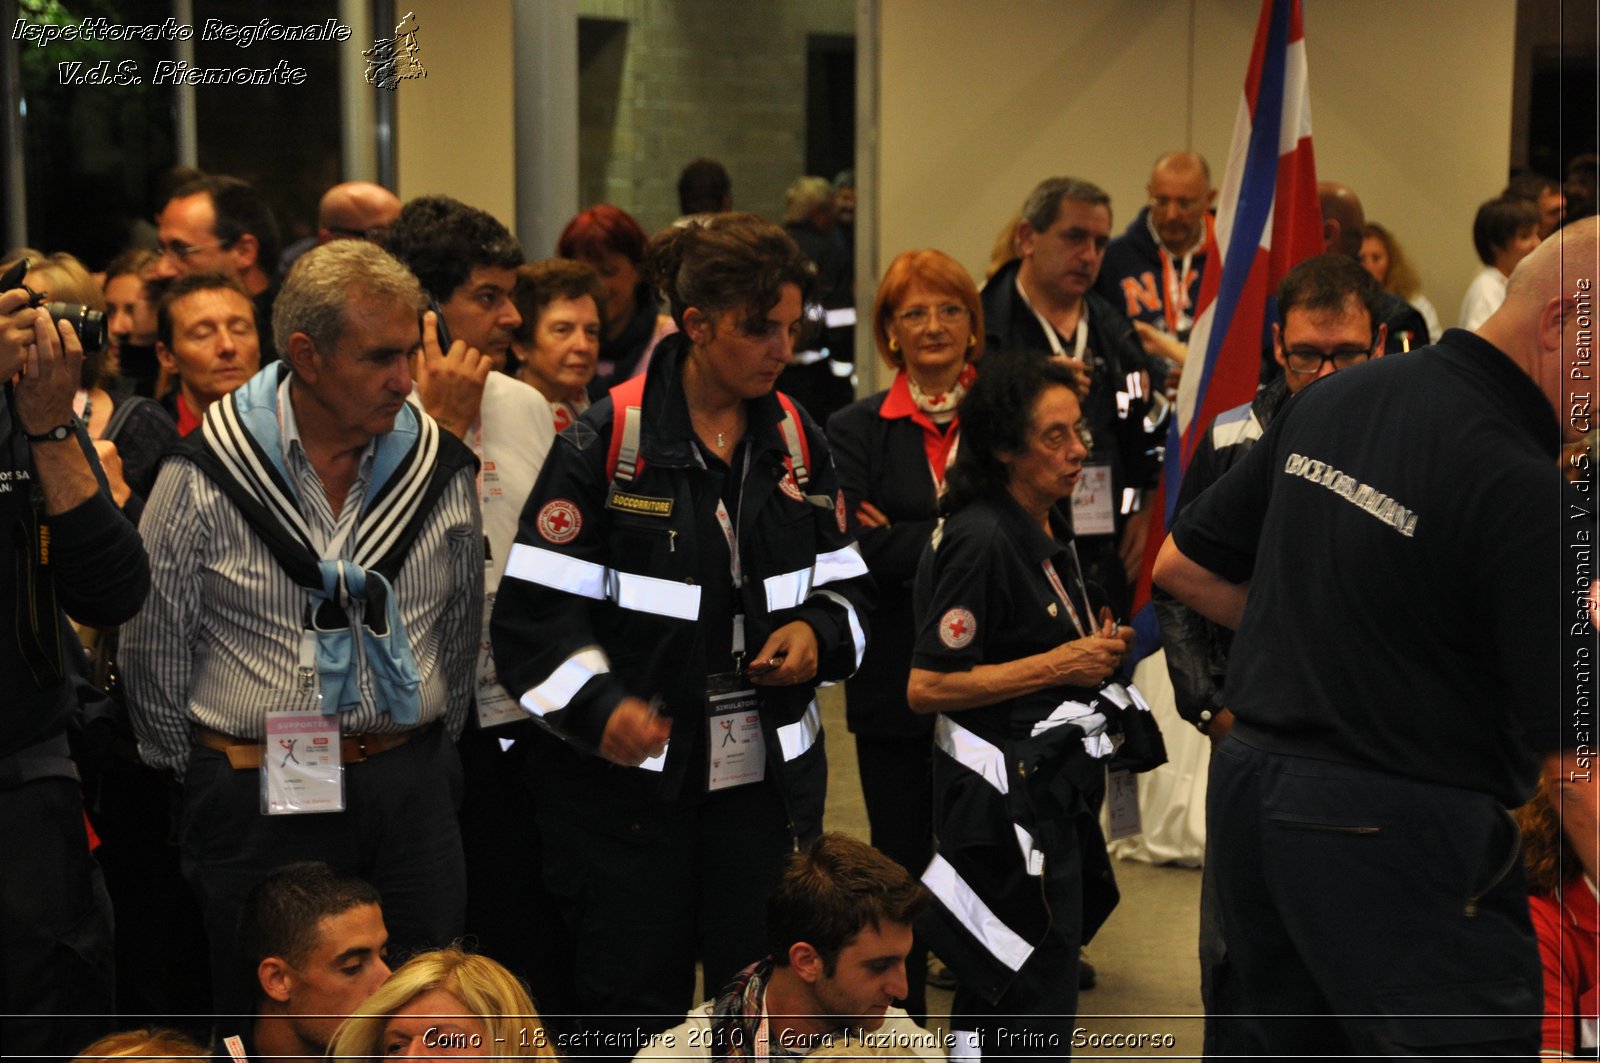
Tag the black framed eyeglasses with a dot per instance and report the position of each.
(1308, 361)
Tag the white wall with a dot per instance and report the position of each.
(1410, 105)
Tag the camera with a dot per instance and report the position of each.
(89, 324)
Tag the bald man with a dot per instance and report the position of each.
(1152, 271)
(356, 210)
(1366, 866)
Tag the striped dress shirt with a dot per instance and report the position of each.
(218, 642)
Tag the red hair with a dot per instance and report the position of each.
(938, 271)
(602, 229)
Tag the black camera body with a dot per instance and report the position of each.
(89, 324)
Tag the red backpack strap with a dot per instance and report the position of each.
(622, 458)
(794, 437)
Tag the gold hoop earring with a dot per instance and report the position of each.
(972, 341)
(893, 346)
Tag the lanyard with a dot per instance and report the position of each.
(730, 532)
(1080, 343)
(1066, 599)
(1175, 306)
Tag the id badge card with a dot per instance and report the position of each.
(737, 750)
(300, 767)
(493, 705)
(1122, 801)
(1092, 512)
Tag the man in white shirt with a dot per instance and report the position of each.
(1504, 231)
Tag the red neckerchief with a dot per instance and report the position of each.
(188, 420)
(935, 444)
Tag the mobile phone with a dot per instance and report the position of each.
(444, 330)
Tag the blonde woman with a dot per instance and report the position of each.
(446, 1003)
(1386, 260)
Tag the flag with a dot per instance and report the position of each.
(1268, 220)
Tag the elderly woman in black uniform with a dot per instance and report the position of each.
(681, 580)
(891, 450)
(1013, 656)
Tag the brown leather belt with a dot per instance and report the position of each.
(353, 748)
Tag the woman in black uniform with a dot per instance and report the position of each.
(891, 450)
(680, 582)
(1012, 655)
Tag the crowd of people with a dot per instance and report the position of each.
(411, 593)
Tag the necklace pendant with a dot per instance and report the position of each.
(722, 440)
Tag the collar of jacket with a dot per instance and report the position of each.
(666, 435)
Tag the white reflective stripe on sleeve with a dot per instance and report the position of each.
(663, 597)
(787, 589)
(843, 563)
(843, 317)
(795, 738)
(533, 564)
(858, 634)
(966, 1046)
(971, 752)
(1003, 943)
(564, 683)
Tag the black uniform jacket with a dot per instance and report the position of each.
(623, 589)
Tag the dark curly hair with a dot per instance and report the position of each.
(723, 262)
(442, 240)
(1548, 856)
(996, 416)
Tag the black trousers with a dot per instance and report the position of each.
(1371, 915)
(897, 787)
(645, 888)
(56, 962)
(398, 832)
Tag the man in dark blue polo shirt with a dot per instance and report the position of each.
(1389, 555)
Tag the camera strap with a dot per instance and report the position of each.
(37, 615)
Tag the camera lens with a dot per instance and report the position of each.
(89, 324)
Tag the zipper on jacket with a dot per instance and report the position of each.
(1471, 909)
(672, 540)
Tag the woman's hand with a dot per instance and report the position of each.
(788, 657)
(1086, 662)
(634, 733)
(870, 516)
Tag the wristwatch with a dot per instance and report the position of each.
(54, 435)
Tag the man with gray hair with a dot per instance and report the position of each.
(317, 564)
(1042, 304)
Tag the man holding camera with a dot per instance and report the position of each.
(70, 552)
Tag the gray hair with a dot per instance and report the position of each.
(323, 282)
(1043, 204)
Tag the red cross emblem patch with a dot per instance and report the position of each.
(789, 487)
(559, 521)
(957, 628)
(838, 511)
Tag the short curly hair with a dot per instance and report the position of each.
(442, 240)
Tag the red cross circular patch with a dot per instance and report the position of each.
(559, 521)
(838, 511)
(790, 488)
(957, 628)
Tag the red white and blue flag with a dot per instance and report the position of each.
(1268, 220)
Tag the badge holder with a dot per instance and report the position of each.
(1091, 502)
(494, 707)
(735, 745)
(301, 769)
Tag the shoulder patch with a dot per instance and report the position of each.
(559, 521)
(789, 487)
(838, 511)
(957, 628)
(579, 434)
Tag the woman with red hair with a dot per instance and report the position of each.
(891, 450)
(608, 239)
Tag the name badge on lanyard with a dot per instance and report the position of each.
(301, 771)
(736, 746)
(494, 706)
(1092, 512)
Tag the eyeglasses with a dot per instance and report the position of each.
(1185, 204)
(183, 251)
(1309, 362)
(1057, 438)
(918, 316)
